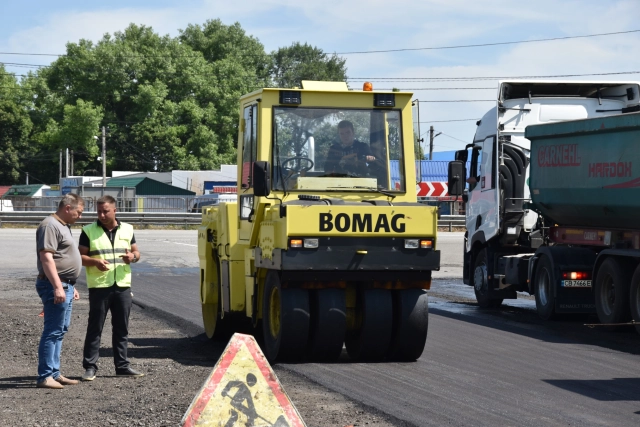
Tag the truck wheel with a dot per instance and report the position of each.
(544, 281)
(612, 292)
(328, 324)
(285, 320)
(370, 337)
(634, 295)
(410, 324)
(481, 282)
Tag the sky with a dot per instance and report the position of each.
(411, 32)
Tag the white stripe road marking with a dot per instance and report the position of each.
(184, 244)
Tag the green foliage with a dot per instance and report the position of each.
(168, 103)
(300, 62)
(15, 127)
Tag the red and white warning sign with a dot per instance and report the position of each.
(433, 189)
(242, 390)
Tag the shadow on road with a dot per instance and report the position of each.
(613, 390)
(524, 322)
(17, 382)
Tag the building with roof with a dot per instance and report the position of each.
(28, 190)
(148, 187)
(200, 182)
(4, 189)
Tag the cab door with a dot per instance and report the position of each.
(482, 208)
(249, 153)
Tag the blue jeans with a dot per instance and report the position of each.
(57, 318)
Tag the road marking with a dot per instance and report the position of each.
(242, 390)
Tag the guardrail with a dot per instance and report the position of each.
(451, 221)
(145, 218)
(161, 218)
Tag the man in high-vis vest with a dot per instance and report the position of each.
(108, 248)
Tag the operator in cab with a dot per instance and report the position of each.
(349, 156)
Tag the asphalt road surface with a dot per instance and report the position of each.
(503, 367)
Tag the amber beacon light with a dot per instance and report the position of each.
(367, 86)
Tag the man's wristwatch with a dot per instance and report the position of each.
(135, 258)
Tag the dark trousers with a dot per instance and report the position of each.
(101, 300)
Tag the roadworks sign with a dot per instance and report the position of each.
(242, 390)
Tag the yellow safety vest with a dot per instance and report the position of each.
(100, 248)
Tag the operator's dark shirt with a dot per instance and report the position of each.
(338, 151)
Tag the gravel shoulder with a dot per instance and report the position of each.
(174, 358)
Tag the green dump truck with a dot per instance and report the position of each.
(582, 254)
(585, 183)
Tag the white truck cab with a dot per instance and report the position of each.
(498, 223)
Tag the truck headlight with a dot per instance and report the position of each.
(418, 243)
(411, 243)
(310, 243)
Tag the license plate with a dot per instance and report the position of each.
(576, 283)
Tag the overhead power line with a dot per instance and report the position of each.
(444, 79)
(487, 44)
(453, 120)
(365, 51)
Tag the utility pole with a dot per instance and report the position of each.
(27, 178)
(71, 162)
(431, 142)
(60, 181)
(104, 157)
(66, 167)
(431, 138)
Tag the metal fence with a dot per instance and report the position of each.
(161, 218)
(177, 204)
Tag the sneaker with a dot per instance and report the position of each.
(66, 381)
(49, 382)
(128, 372)
(89, 375)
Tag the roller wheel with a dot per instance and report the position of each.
(481, 282)
(285, 321)
(634, 295)
(370, 337)
(328, 324)
(410, 324)
(612, 292)
(544, 281)
(214, 326)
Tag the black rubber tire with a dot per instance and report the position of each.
(410, 324)
(370, 339)
(634, 296)
(481, 289)
(328, 324)
(544, 282)
(611, 292)
(285, 320)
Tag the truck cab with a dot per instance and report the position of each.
(327, 244)
(502, 227)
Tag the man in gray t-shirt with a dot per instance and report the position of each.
(59, 265)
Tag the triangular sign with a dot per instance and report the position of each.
(242, 390)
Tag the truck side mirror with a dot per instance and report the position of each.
(456, 177)
(461, 155)
(261, 179)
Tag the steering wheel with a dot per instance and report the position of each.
(298, 161)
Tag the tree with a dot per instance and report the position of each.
(300, 62)
(15, 127)
(162, 101)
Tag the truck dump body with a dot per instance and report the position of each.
(587, 172)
